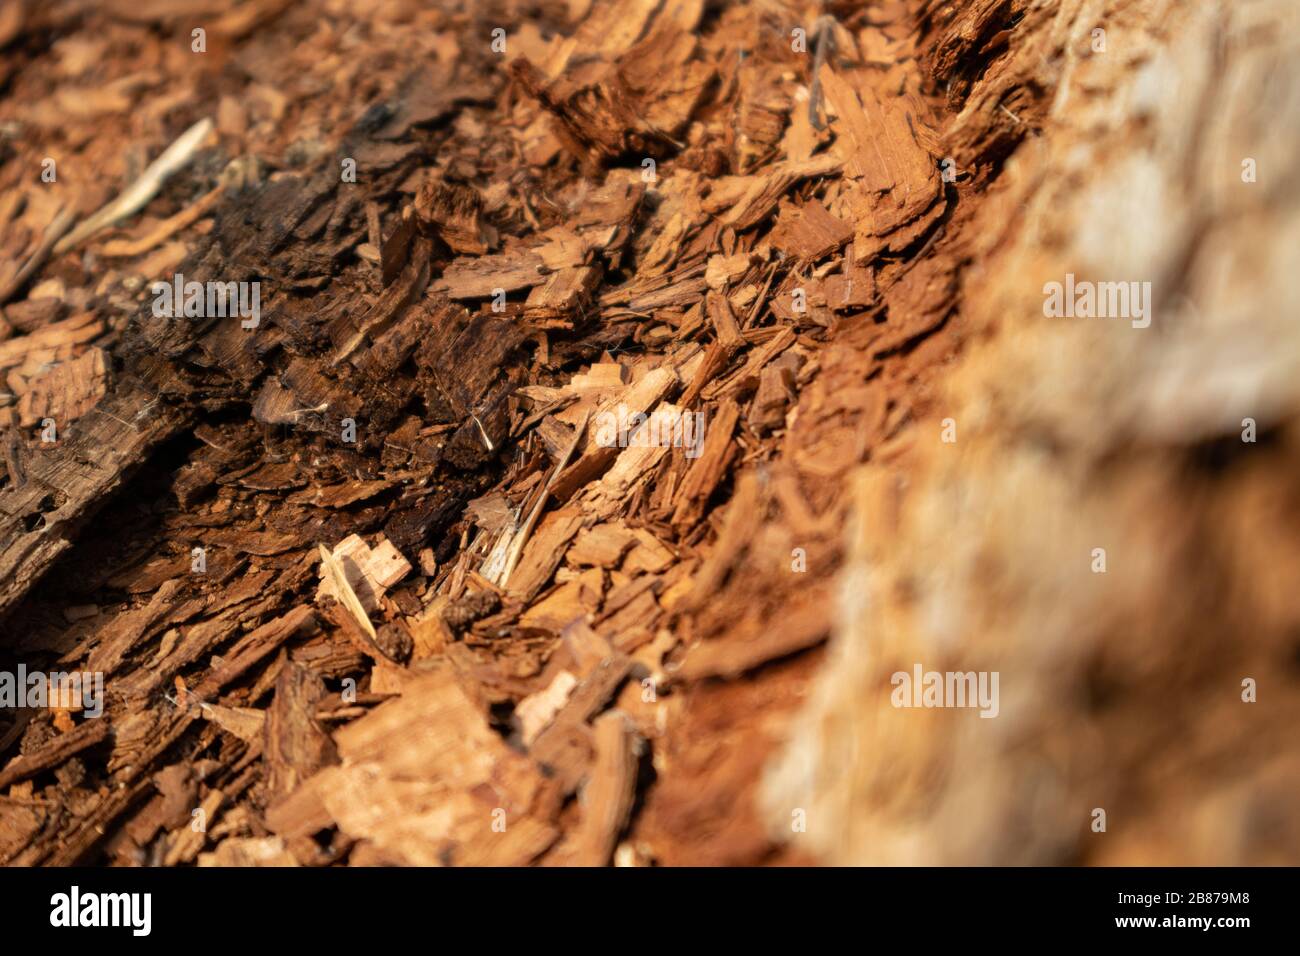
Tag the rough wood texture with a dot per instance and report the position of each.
(597, 381)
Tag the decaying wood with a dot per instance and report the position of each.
(173, 158)
(595, 386)
(607, 801)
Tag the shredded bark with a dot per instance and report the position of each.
(594, 380)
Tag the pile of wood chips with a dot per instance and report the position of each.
(395, 576)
